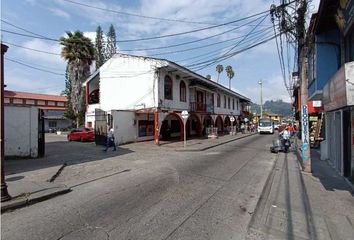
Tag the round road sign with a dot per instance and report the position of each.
(184, 114)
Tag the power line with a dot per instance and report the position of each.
(216, 59)
(23, 29)
(210, 53)
(191, 31)
(204, 46)
(190, 42)
(245, 49)
(31, 36)
(32, 49)
(30, 66)
(34, 35)
(140, 15)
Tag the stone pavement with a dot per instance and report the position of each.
(298, 205)
(28, 179)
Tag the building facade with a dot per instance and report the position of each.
(53, 107)
(329, 62)
(143, 98)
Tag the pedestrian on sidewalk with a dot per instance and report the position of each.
(110, 140)
(243, 128)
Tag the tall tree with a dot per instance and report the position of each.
(99, 48)
(230, 74)
(78, 51)
(219, 69)
(69, 112)
(111, 47)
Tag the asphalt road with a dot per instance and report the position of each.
(149, 193)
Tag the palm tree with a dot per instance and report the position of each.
(79, 52)
(230, 74)
(219, 69)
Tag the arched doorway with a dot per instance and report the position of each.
(219, 124)
(227, 124)
(171, 127)
(193, 126)
(207, 123)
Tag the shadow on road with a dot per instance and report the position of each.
(60, 152)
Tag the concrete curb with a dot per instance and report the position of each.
(263, 197)
(212, 146)
(33, 198)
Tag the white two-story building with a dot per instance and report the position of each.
(143, 97)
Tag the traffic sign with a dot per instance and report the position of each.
(185, 114)
(232, 119)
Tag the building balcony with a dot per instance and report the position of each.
(201, 107)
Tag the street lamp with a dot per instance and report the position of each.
(261, 83)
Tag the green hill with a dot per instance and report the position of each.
(277, 106)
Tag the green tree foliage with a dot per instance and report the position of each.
(99, 48)
(69, 112)
(78, 51)
(219, 69)
(230, 74)
(111, 47)
(208, 76)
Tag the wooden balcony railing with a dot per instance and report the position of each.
(201, 107)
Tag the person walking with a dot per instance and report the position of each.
(110, 140)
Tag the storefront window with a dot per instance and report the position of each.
(146, 128)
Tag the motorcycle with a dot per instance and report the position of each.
(280, 145)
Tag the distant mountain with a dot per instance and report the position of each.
(277, 107)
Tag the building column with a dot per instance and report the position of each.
(157, 128)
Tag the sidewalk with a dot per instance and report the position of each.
(202, 144)
(298, 205)
(28, 183)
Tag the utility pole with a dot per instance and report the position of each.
(4, 193)
(305, 146)
(261, 84)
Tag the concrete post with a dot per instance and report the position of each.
(305, 146)
(4, 193)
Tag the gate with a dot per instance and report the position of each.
(41, 134)
(102, 119)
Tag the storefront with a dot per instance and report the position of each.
(338, 100)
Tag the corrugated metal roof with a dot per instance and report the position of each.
(35, 96)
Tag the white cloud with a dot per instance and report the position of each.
(272, 89)
(60, 13)
(42, 57)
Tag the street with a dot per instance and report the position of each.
(151, 193)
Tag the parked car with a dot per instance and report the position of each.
(81, 134)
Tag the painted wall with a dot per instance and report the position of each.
(126, 82)
(327, 59)
(175, 103)
(21, 131)
(125, 126)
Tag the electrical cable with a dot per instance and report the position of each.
(32, 49)
(143, 16)
(211, 53)
(216, 60)
(204, 46)
(190, 42)
(36, 68)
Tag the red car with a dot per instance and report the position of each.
(82, 134)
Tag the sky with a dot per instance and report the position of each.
(216, 30)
